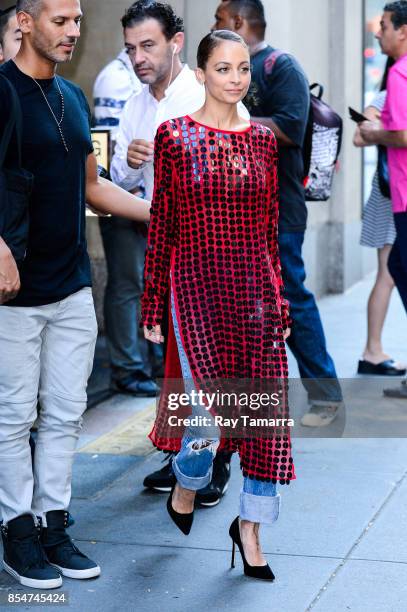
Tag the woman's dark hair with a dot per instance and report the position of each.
(390, 62)
(209, 43)
(163, 13)
(5, 16)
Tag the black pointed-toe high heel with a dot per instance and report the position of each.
(182, 521)
(262, 572)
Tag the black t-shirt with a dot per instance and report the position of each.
(282, 94)
(57, 263)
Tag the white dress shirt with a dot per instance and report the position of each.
(141, 117)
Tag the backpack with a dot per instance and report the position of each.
(322, 142)
(15, 183)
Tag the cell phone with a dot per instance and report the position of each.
(357, 117)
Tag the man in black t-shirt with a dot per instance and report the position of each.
(47, 326)
(279, 98)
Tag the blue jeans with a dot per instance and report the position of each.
(259, 501)
(307, 340)
(130, 353)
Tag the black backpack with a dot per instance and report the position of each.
(322, 142)
(15, 182)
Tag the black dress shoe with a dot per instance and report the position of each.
(261, 572)
(385, 368)
(162, 480)
(211, 494)
(182, 521)
(140, 386)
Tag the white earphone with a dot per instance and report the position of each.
(174, 51)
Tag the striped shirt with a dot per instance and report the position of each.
(114, 85)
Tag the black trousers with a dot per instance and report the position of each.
(398, 257)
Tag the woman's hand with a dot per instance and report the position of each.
(154, 334)
(287, 333)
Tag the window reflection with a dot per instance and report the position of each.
(374, 64)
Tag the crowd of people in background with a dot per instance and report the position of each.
(174, 131)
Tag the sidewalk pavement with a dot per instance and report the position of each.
(339, 543)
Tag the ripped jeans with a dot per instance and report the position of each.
(259, 501)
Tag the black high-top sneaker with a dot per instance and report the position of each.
(214, 491)
(164, 479)
(61, 552)
(24, 558)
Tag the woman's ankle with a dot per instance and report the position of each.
(375, 354)
(183, 499)
(249, 534)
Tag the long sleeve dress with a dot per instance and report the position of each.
(213, 238)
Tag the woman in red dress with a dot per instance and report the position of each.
(212, 247)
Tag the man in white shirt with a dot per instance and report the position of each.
(170, 90)
(154, 37)
(133, 360)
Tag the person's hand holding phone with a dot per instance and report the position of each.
(356, 116)
(369, 131)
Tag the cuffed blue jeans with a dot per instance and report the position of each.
(192, 466)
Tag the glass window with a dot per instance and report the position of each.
(374, 64)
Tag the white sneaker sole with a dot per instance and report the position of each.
(215, 503)
(162, 489)
(209, 504)
(31, 582)
(92, 572)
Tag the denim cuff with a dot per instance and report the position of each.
(193, 483)
(259, 508)
(337, 403)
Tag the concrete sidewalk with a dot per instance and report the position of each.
(339, 543)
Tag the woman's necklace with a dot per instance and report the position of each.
(52, 112)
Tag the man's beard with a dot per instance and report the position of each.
(148, 79)
(158, 74)
(50, 53)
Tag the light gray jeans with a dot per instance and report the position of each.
(259, 501)
(46, 352)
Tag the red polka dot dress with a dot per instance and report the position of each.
(213, 236)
